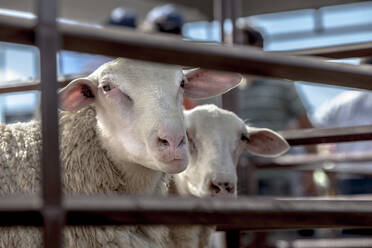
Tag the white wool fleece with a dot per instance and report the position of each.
(87, 168)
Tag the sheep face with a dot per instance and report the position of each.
(139, 111)
(217, 138)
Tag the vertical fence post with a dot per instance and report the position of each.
(47, 39)
(230, 101)
(219, 12)
(236, 12)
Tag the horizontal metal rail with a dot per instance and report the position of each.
(317, 161)
(266, 6)
(19, 87)
(322, 158)
(227, 213)
(34, 84)
(335, 52)
(330, 243)
(169, 49)
(327, 135)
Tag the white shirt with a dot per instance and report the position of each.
(350, 108)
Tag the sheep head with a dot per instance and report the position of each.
(217, 138)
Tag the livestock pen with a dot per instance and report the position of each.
(53, 211)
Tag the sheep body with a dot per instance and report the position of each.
(87, 169)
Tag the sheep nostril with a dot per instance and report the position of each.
(215, 188)
(230, 189)
(222, 187)
(163, 142)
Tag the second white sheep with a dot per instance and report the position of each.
(217, 138)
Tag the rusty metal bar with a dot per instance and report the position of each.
(266, 6)
(293, 161)
(28, 85)
(230, 101)
(219, 12)
(327, 135)
(17, 210)
(363, 49)
(239, 59)
(331, 243)
(47, 40)
(236, 12)
(19, 88)
(252, 213)
(166, 49)
(21, 32)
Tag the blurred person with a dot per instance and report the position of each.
(350, 108)
(123, 17)
(251, 36)
(269, 102)
(118, 17)
(275, 104)
(272, 103)
(165, 18)
(80, 63)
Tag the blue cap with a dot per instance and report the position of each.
(166, 18)
(123, 17)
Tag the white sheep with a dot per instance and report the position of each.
(217, 138)
(122, 128)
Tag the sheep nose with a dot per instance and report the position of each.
(222, 187)
(171, 142)
(171, 146)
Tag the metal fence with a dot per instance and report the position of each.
(54, 211)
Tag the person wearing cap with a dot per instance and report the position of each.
(123, 17)
(270, 103)
(165, 18)
(349, 108)
(118, 17)
(273, 103)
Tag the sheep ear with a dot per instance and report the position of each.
(77, 94)
(265, 142)
(206, 83)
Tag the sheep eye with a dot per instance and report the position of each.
(182, 84)
(107, 87)
(244, 138)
